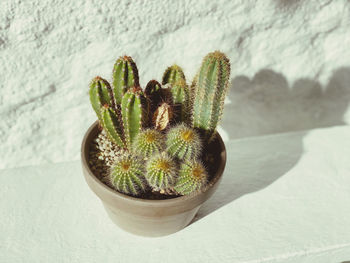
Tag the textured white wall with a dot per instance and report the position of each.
(290, 64)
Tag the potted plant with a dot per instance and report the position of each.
(154, 155)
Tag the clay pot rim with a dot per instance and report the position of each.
(161, 202)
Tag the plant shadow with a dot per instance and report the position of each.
(266, 105)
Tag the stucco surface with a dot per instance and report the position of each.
(290, 64)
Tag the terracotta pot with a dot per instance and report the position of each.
(151, 217)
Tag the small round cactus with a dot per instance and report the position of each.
(148, 142)
(161, 171)
(192, 178)
(127, 175)
(183, 142)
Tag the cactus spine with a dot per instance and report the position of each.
(161, 171)
(173, 74)
(192, 178)
(127, 175)
(134, 108)
(183, 142)
(149, 142)
(209, 92)
(125, 76)
(100, 94)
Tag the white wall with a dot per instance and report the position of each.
(290, 64)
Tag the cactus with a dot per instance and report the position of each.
(161, 171)
(157, 93)
(101, 98)
(134, 108)
(192, 178)
(191, 91)
(125, 76)
(148, 142)
(153, 88)
(153, 92)
(111, 123)
(100, 94)
(127, 175)
(180, 99)
(210, 90)
(183, 142)
(173, 74)
(162, 116)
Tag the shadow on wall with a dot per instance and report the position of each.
(266, 105)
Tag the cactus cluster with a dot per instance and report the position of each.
(122, 109)
(163, 127)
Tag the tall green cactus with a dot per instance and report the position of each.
(125, 76)
(110, 121)
(173, 74)
(100, 94)
(134, 108)
(210, 90)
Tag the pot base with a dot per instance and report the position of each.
(150, 226)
